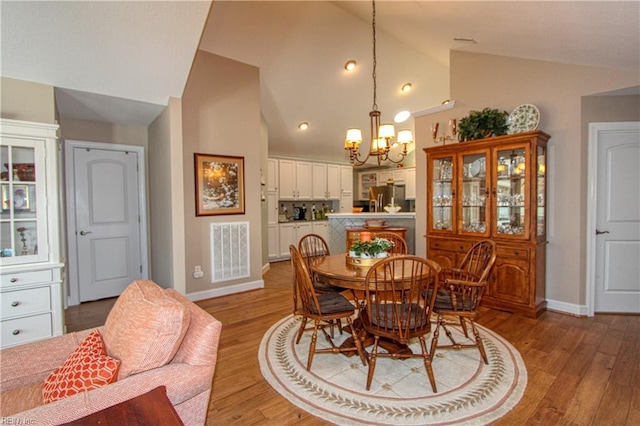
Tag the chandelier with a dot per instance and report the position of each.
(382, 135)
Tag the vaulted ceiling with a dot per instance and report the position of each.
(121, 61)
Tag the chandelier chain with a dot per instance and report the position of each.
(373, 24)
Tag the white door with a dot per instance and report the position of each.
(105, 223)
(617, 221)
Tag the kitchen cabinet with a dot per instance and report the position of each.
(294, 180)
(272, 175)
(321, 228)
(326, 181)
(493, 188)
(273, 234)
(410, 183)
(31, 291)
(334, 180)
(346, 189)
(291, 233)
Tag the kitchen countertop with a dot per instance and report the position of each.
(375, 215)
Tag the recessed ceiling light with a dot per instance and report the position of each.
(350, 65)
(402, 116)
(406, 87)
(303, 125)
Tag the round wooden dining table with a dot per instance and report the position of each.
(335, 270)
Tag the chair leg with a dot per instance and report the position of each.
(312, 345)
(428, 357)
(372, 361)
(357, 342)
(463, 324)
(479, 343)
(448, 333)
(303, 324)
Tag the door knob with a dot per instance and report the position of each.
(601, 232)
(85, 232)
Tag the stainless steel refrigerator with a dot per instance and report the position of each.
(380, 196)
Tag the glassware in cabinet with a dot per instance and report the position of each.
(442, 194)
(473, 214)
(511, 192)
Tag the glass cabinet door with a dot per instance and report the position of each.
(442, 194)
(473, 197)
(511, 192)
(541, 191)
(20, 227)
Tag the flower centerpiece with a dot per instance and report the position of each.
(376, 248)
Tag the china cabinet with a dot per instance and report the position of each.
(30, 267)
(493, 188)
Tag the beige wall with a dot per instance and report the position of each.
(221, 115)
(165, 198)
(479, 81)
(99, 131)
(25, 100)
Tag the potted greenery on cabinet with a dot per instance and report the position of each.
(483, 124)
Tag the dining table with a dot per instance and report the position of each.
(337, 271)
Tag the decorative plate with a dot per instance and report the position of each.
(476, 167)
(524, 118)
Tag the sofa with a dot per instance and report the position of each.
(159, 337)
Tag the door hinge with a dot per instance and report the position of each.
(140, 268)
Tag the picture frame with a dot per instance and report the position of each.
(219, 184)
(21, 198)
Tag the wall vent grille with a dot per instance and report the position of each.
(229, 251)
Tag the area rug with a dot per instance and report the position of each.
(469, 392)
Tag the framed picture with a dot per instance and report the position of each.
(21, 199)
(219, 184)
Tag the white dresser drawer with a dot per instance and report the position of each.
(23, 330)
(24, 302)
(18, 278)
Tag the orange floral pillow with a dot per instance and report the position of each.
(87, 368)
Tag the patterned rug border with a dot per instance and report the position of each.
(342, 406)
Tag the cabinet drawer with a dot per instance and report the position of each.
(27, 277)
(519, 253)
(23, 302)
(456, 246)
(23, 330)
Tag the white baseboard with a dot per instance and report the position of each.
(568, 308)
(265, 268)
(224, 291)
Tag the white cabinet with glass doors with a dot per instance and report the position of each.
(30, 267)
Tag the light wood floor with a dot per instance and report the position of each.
(581, 371)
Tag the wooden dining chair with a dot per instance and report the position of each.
(460, 294)
(313, 247)
(400, 294)
(323, 309)
(399, 243)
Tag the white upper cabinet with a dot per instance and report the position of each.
(346, 180)
(319, 191)
(272, 175)
(410, 184)
(294, 181)
(333, 181)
